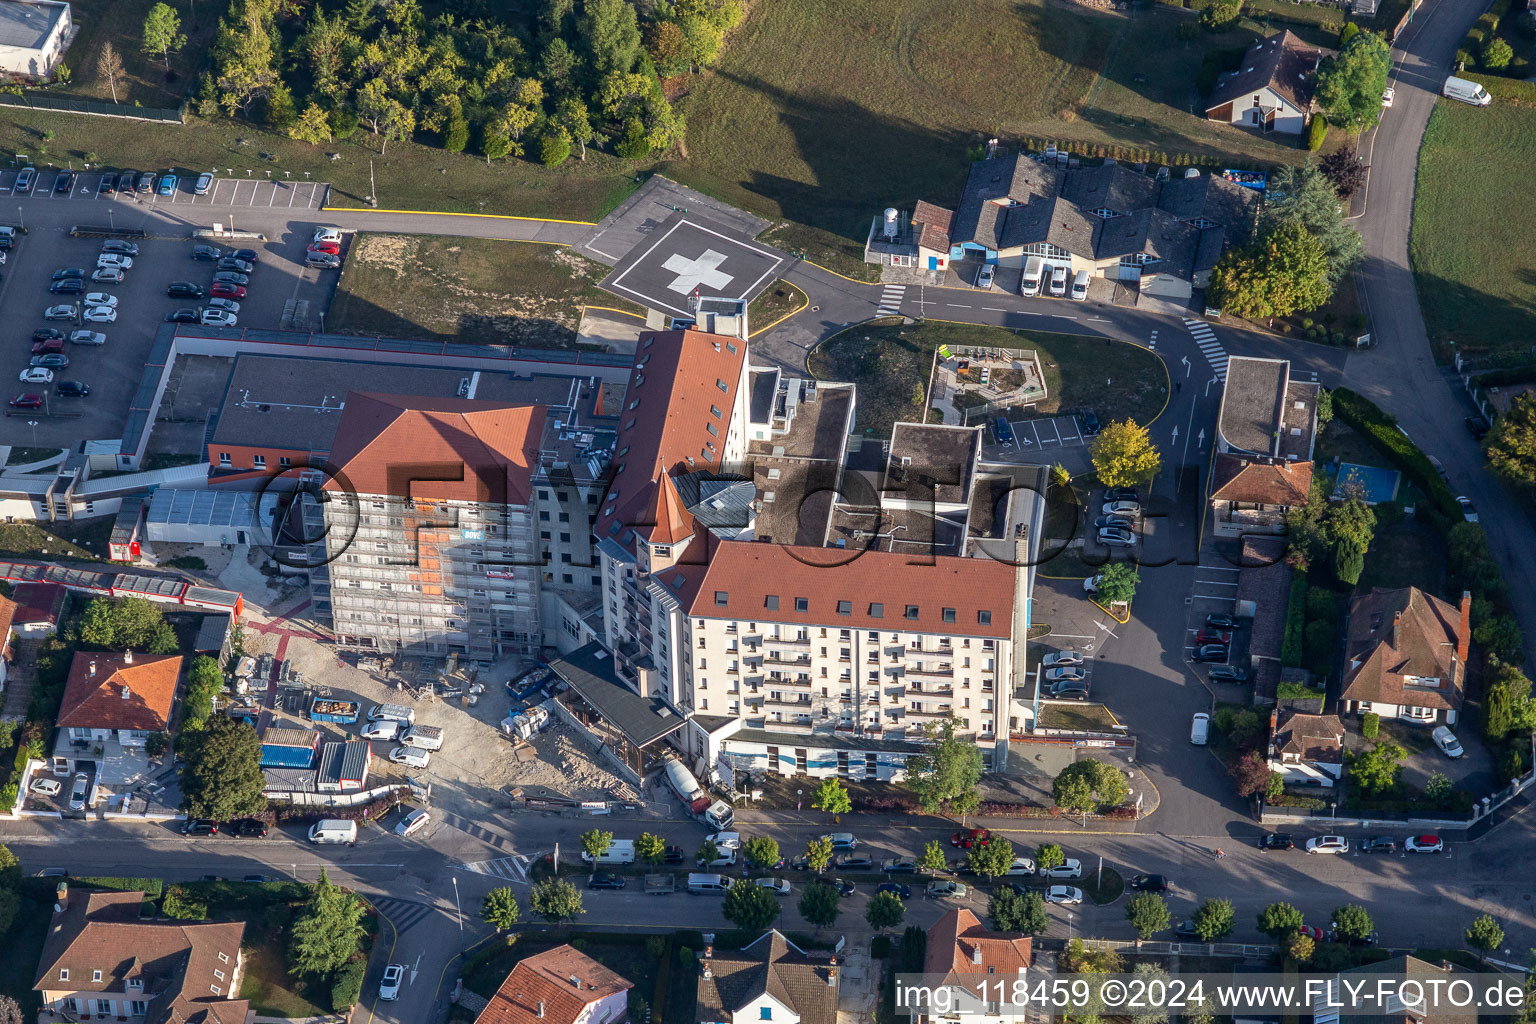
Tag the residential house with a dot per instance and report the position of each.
(1161, 236)
(100, 958)
(920, 241)
(771, 979)
(123, 698)
(1272, 90)
(39, 607)
(7, 618)
(1306, 749)
(964, 956)
(560, 986)
(1399, 1007)
(33, 36)
(1405, 655)
(1265, 432)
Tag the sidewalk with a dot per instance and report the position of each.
(997, 823)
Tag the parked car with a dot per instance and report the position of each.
(1069, 868)
(1209, 653)
(1468, 510)
(1387, 97)
(48, 334)
(65, 182)
(107, 275)
(65, 273)
(1221, 620)
(146, 182)
(1186, 930)
(230, 277)
(900, 891)
(854, 862)
(27, 400)
(945, 888)
(247, 828)
(200, 827)
(168, 185)
(1425, 844)
(900, 866)
(115, 259)
(1121, 494)
(1228, 674)
(389, 985)
(218, 318)
(1477, 427)
(45, 786)
(203, 184)
(249, 255)
(1212, 636)
(1116, 537)
(1379, 844)
(985, 275)
(25, 179)
(101, 299)
(969, 837)
(230, 263)
(1369, 939)
(1021, 866)
(1446, 740)
(1062, 658)
(1058, 285)
(1312, 932)
(125, 182)
(1091, 584)
(1119, 522)
(117, 245)
(1088, 422)
(412, 821)
(842, 840)
(220, 290)
(99, 315)
(47, 345)
(207, 252)
(1149, 883)
(843, 886)
(1121, 508)
(778, 886)
(182, 316)
(322, 260)
(1064, 894)
(72, 389)
(326, 235)
(1328, 844)
(50, 360)
(411, 757)
(324, 249)
(68, 286)
(1067, 673)
(1067, 690)
(673, 855)
(184, 290)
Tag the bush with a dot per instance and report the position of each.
(1291, 648)
(1370, 725)
(178, 903)
(152, 888)
(347, 985)
(1187, 31)
(1497, 55)
(1317, 131)
(555, 148)
(880, 945)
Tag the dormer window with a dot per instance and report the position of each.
(1104, 212)
(95, 975)
(63, 973)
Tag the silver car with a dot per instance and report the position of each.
(389, 986)
(1056, 658)
(1116, 537)
(78, 793)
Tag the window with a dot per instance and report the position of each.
(543, 535)
(845, 607)
(215, 990)
(565, 538)
(543, 517)
(771, 602)
(984, 618)
(911, 611)
(218, 974)
(565, 517)
(103, 1007)
(722, 598)
(63, 973)
(765, 1013)
(949, 615)
(715, 411)
(284, 461)
(138, 1008)
(876, 610)
(95, 975)
(721, 384)
(223, 458)
(713, 430)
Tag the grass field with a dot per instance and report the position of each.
(478, 290)
(1471, 249)
(1405, 554)
(146, 80)
(777, 301)
(86, 539)
(890, 362)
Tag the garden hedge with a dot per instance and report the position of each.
(1295, 621)
(1381, 427)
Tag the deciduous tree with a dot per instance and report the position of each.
(500, 908)
(651, 848)
(10, 1011)
(1214, 920)
(1376, 771)
(1278, 275)
(1049, 855)
(1117, 583)
(312, 126)
(222, 778)
(1346, 172)
(885, 910)
(1124, 455)
(611, 34)
(162, 32)
(595, 842)
(992, 859)
(1013, 911)
(934, 859)
(1148, 914)
(819, 904)
(327, 930)
(1253, 776)
(831, 796)
(571, 115)
(1089, 785)
(946, 773)
(1279, 919)
(818, 854)
(1485, 935)
(1349, 85)
(109, 65)
(555, 899)
(204, 683)
(126, 624)
(1508, 707)
(1353, 922)
(1300, 948)
(762, 852)
(1305, 196)
(1511, 445)
(749, 906)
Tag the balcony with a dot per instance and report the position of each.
(789, 701)
(941, 711)
(944, 670)
(790, 641)
(934, 689)
(780, 659)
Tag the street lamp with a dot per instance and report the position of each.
(19, 221)
(33, 425)
(1069, 927)
(456, 904)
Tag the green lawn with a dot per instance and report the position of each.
(478, 290)
(777, 301)
(146, 81)
(890, 362)
(1405, 554)
(86, 539)
(1472, 213)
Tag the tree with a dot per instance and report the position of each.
(500, 908)
(396, 124)
(1124, 455)
(669, 48)
(1500, 636)
(1497, 54)
(1155, 979)
(1511, 445)
(596, 842)
(110, 66)
(558, 64)
(204, 683)
(632, 143)
(611, 34)
(1305, 196)
(571, 115)
(709, 852)
(934, 859)
(127, 624)
(555, 899)
(831, 797)
(1254, 776)
(312, 126)
(162, 32)
(1214, 920)
(1439, 790)
(10, 1011)
(1089, 785)
(1346, 172)
(554, 147)
(1508, 705)
(327, 930)
(222, 778)
(1377, 770)
(1353, 922)
(885, 910)
(10, 870)
(946, 773)
(1485, 935)
(991, 859)
(1013, 911)
(1351, 524)
(1117, 583)
(1148, 914)
(762, 852)
(818, 854)
(1300, 948)
(651, 848)
(749, 906)
(495, 143)
(280, 112)
(1049, 855)
(1279, 919)
(1280, 274)
(1349, 86)
(819, 904)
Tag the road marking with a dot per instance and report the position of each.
(1063, 316)
(1219, 568)
(1098, 319)
(994, 309)
(1210, 347)
(513, 868)
(890, 300)
(956, 305)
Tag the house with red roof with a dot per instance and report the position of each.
(119, 697)
(560, 986)
(1406, 655)
(966, 957)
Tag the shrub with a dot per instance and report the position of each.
(1317, 131)
(1497, 55)
(1187, 31)
(1306, 322)
(343, 123)
(347, 985)
(1370, 725)
(555, 148)
(1295, 622)
(182, 906)
(1474, 39)
(880, 945)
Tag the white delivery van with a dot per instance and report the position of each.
(333, 830)
(1034, 270)
(1200, 729)
(700, 882)
(423, 737)
(1080, 286)
(620, 851)
(392, 713)
(1058, 281)
(1467, 92)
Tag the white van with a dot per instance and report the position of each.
(333, 830)
(423, 737)
(1080, 286)
(700, 882)
(620, 851)
(1467, 92)
(392, 713)
(1058, 281)
(1200, 729)
(411, 757)
(1034, 270)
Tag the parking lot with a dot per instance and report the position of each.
(281, 293)
(262, 193)
(1055, 432)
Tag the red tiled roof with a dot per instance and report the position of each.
(955, 939)
(564, 979)
(841, 587)
(1260, 481)
(38, 602)
(682, 384)
(98, 701)
(934, 222)
(1395, 635)
(672, 521)
(436, 448)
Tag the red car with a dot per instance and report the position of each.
(326, 247)
(1312, 932)
(969, 837)
(220, 290)
(27, 401)
(50, 345)
(1212, 636)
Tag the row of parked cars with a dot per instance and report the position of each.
(1341, 844)
(124, 183)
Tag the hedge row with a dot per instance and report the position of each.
(29, 746)
(1295, 621)
(1510, 375)
(152, 888)
(1508, 89)
(1381, 427)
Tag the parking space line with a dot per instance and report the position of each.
(1215, 583)
(1219, 568)
(1055, 430)
(292, 195)
(273, 197)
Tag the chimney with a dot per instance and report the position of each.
(541, 1009)
(575, 981)
(832, 973)
(127, 657)
(976, 953)
(61, 898)
(1396, 622)
(1464, 631)
(93, 668)
(127, 693)
(709, 950)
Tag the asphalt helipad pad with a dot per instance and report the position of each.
(686, 256)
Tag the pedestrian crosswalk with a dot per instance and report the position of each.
(1209, 346)
(402, 913)
(890, 300)
(514, 868)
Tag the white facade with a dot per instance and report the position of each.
(33, 36)
(1267, 109)
(1410, 713)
